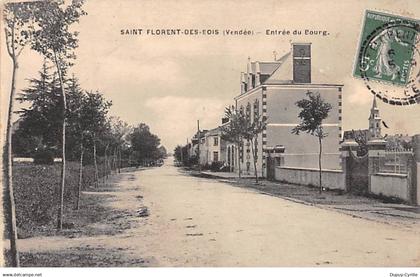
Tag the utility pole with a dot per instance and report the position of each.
(198, 147)
(182, 158)
(187, 148)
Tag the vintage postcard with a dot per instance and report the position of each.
(274, 133)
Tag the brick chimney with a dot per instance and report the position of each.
(243, 82)
(257, 74)
(301, 62)
(249, 74)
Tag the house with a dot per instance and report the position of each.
(197, 146)
(215, 146)
(270, 89)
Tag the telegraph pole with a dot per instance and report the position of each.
(182, 158)
(198, 147)
(187, 148)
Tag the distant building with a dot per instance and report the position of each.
(271, 89)
(393, 142)
(214, 147)
(196, 147)
(375, 121)
(375, 126)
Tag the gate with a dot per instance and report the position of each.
(357, 177)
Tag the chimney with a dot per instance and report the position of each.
(301, 62)
(243, 83)
(249, 74)
(257, 74)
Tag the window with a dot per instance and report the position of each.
(215, 156)
(215, 141)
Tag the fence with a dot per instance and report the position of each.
(396, 161)
(392, 177)
(389, 173)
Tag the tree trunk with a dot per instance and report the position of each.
(95, 164)
(255, 160)
(9, 200)
(79, 189)
(63, 148)
(320, 165)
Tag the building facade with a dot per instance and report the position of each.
(270, 90)
(214, 149)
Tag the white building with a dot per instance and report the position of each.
(271, 89)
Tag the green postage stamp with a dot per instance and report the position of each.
(387, 48)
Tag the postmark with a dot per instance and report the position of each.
(388, 58)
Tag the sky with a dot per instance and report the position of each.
(170, 82)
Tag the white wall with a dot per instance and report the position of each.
(390, 184)
(282, 117)
(332, 179)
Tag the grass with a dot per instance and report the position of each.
(36, 189)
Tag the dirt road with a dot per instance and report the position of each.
(193, 221)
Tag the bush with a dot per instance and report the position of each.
(44, 157)
(216, 166)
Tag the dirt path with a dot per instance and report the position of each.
(201, 222)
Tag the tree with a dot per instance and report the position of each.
(181, 154)
(178, 153)
(163, 153)
(361, 140)
(313, 111)
(95, 122)
(120, 131)
(40, 119)
(145, 144)
(77, 120)
(17, 17)
(235, 129)
(250, 133)
(54, 40)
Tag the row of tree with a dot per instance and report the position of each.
(242, 127)
(63, 120)
(90, 131)
(44, 26)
